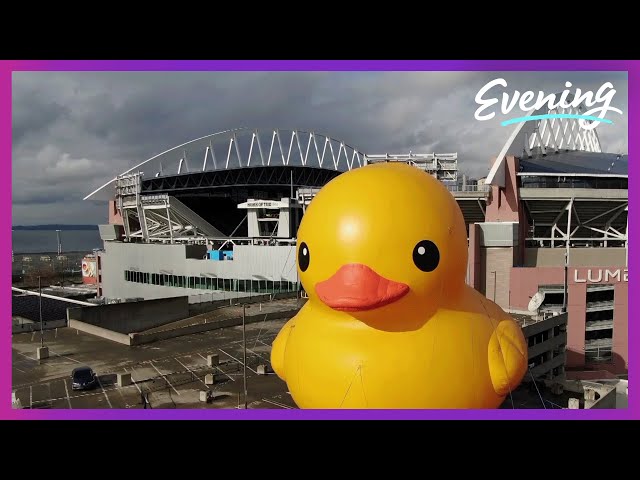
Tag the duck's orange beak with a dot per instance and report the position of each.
(356, 287)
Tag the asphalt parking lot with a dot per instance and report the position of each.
(169, 373)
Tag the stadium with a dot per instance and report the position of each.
(216, 218)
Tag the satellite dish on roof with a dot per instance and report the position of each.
(536, 301)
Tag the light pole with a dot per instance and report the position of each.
(244, 352)
(566, 279)
(59, 244)
(40, 302)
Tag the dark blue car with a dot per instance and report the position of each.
(83, 378)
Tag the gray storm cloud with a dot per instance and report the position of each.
(72, 132)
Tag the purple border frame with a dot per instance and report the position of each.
(8, 67)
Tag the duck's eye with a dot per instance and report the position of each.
(426, 255)
(303, 257)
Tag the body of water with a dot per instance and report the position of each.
(45, 241)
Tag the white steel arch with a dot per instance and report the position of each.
(549, 135)
(245, 148)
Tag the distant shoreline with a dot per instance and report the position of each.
(53, 227)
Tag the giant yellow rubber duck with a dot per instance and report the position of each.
(390, 321)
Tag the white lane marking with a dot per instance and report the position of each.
(105, 393)
(239, 361)
(63, 356)
(66, 389)
(191, 372)
(30, 358)
(33, 334)
(30, 397)
(89, 394)
(165, 378)
(56, 332)
(19, 369)
(281, 405)
(132, 380)
(220, 369)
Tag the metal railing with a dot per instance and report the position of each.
(468, 188)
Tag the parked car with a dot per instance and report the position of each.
(83, 378)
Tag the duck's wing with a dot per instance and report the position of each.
(278, 348)
(507, 356)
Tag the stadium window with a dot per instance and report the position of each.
(227, 284)
(126, 275)
(161, 279)
(153, 279)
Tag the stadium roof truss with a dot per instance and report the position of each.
(245, 148)
(240, 177)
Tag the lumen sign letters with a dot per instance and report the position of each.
(600, 275)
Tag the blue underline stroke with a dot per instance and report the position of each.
(554, 115)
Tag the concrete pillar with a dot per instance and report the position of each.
(213, 360)
(124, 379)
(42, 353)
(209, 379)
(574, 404)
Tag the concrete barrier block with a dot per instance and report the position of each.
(42, 353)
(209, 379)
(262, 370)
(213, 360)
(574, 403)
(205, 395)
(124, 379)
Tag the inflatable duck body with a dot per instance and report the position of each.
(390, 321)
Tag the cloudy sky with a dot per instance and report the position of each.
(73, 132)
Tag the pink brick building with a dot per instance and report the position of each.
(556, 223)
